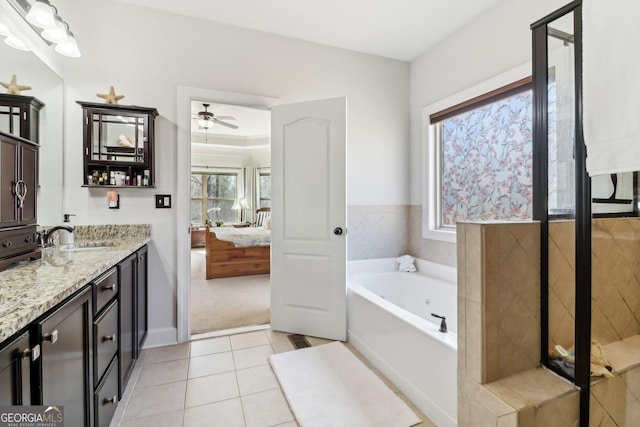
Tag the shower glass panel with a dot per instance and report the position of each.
(561, 116)
(561, 106)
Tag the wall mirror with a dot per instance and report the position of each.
(48, 87)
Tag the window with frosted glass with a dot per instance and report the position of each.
(486, 162)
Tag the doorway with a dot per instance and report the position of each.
(230, 181)
(226, 166)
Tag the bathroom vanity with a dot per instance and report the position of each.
(72, 325)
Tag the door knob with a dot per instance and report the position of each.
(337, 231)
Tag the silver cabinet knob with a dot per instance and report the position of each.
(32, 353)
(52, 337)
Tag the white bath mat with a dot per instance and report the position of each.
(327, 386)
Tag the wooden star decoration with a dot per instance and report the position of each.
(111, 97)
(13, 87)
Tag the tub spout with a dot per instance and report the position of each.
(443, 322)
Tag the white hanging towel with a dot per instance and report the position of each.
(611, 85)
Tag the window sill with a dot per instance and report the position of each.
(443, 235)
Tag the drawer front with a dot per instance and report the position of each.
(105, 339)
(18, 241)
(106, 396)
(104, 289)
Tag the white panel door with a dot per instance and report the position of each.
(308, 235)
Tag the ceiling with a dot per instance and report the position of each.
(398, 29)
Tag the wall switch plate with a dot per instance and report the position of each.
(163, 201)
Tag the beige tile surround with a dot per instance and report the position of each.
(615, 280)
(499, 381)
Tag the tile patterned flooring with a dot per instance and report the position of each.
(224, 381)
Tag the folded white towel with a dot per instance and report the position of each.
(406, 263)
(611, 104)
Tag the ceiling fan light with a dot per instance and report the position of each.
(41, 14)
(16, 43)
(206, 124)
(56, 32)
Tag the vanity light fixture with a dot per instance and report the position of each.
(41, 14)
(16, 43)
(68, 48)
(56, 32)
(12, 40)
(4, 31)
(43, 17)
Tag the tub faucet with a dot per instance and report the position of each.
(443, 322)
(46, 235)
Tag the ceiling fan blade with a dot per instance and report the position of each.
(225, 117)
(229, 125)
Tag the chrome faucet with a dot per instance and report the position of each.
(46, 235)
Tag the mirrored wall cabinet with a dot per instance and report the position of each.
(20, 116)
(118, 145)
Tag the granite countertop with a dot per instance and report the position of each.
(30, 289)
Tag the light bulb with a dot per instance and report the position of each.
(69, 48)
(56, 32)
(16, 43)
(40, 14)
(4, 31)
(206, 124)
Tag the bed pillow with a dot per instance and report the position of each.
(266, 224)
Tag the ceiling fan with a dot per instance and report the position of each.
(206, 119)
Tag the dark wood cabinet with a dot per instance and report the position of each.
(142, 292)
(118, 145)
(106, 396)
(15, 371)
(106, 334)
(81, 353)
(128, 308)
(20, 116)
(18, 213)
(65, 368)
(132, 300)
(18, 181)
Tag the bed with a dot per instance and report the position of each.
(237, 251)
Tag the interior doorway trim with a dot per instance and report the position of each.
(185, 95)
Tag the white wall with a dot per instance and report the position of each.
(491, 44)
(146, 54)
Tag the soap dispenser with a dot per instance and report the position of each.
(66, 236)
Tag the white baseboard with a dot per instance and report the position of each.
(161, 337)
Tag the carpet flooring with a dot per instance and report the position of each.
(226, 303)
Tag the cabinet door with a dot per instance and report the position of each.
(15, 375)
(29, 175)
(127, 304)
(8, 178)
(141, 297)
(66, 337)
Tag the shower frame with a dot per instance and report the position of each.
(582, 212)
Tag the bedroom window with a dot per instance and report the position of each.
(482, 150)
(212, 197)
(265, 188)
